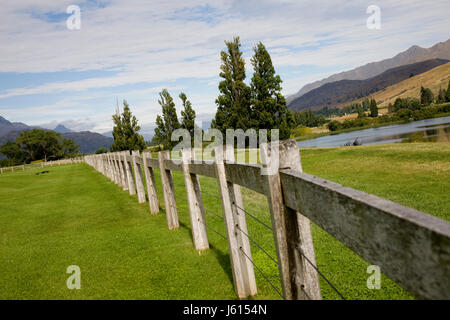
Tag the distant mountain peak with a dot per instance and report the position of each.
(4, 121)
(414, 54)
(61, 129)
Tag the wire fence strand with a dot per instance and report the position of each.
(319, 272)
(262, 273)
(213, 213)
(209, 228)
(252, 216)
(260, 248)
(248, 213)
(211, 195)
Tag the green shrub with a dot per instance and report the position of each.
(300, 131)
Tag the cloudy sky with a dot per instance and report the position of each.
(131, 49)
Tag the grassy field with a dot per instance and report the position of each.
(76, 216)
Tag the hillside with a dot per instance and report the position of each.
(414, 54)
(433, 79)
(344, 91)
(7, 126)
(89, 141)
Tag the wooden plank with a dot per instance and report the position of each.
(139, 160)
(411, 247)
(234, 217)
(124, 172)
(138, 176)
(169, 192)
(151, 184)
(121, 171)
(246, 175)
(207, 168)
(130, 177)
(300, 281)
(195, 202)
(173, 165)
(151, 163)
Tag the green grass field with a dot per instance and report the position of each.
(75, 216)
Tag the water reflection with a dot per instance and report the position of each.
(430, 130)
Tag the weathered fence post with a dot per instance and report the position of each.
(110, 167)
(124, 171)
(129, 171)
(110, 170)
(195, 202)
(151, 185)
(169, 192)
(119, 169)
(117, 177)
(291, 230)
(137, 164)
(234, 216)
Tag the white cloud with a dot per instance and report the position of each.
(164, 41)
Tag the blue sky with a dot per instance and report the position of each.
(133, 49)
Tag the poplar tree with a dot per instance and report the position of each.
(233, 103)
(373, 108)
(126, 131)
(269, 110)
(426, 96)
(187, 115)
(168, 123)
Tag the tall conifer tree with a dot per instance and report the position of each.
(126, 131)
(233, 103)
(168, 123)
(269, 110)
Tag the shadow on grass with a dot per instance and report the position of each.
(222, 258)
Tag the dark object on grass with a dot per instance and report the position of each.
(354, 144)
(42, 172)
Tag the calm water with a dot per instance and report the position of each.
(430, 130)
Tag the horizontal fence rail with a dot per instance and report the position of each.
(42, 164)
(411, 247)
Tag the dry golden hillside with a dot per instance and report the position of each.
(433, 79)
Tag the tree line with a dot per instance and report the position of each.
(38, 144)
(257, 105)
(403, 109)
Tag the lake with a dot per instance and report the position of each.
(430, 130)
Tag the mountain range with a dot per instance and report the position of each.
(344, 91)
(414, 54)
(88, 141)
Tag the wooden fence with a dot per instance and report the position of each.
(43, 164)
(411, 247)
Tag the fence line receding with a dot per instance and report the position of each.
(411, 247)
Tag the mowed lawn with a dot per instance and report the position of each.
(75, 216)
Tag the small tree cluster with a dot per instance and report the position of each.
(168, 122)
(307, 118)
(259, 105)
(39, 144)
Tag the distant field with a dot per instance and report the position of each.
(74, 215)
